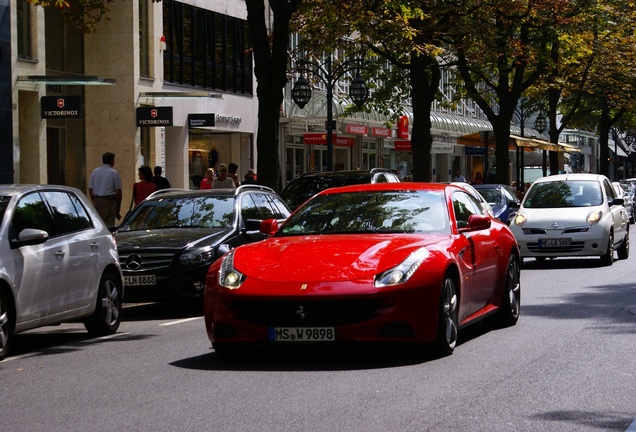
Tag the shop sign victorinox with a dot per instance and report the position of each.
(154, 116)
(61, 107)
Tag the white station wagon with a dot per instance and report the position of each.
(572, 215)
(58, 260)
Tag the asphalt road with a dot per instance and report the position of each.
(568, 365)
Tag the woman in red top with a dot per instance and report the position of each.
(206, 183)
(145, 186)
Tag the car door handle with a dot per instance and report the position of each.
(60, 254)
(95, 246)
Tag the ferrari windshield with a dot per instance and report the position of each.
(574, 193)
(371, 212)
(183, 212)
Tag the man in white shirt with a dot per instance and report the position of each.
(104, 188)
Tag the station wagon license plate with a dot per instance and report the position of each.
(140, 280)
(301, 334)
(555, 243)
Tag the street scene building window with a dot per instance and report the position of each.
(206, 49)
(24, 29)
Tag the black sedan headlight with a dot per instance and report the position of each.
(403, 271)
(197, 256)
(229, 277)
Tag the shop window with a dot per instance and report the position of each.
(24, 29)
(144, 35)
(206, 49)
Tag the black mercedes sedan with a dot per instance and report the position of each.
(167, 243)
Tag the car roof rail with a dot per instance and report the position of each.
(253, 187)
(162, 191)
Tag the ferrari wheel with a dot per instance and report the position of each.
(447, 324)
(511, 300)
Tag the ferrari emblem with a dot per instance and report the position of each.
(303, 287)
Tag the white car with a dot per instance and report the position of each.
(59, 262)
(626, 190)
(572, 215)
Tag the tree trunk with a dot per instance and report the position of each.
(425, 76)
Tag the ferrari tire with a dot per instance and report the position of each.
(511, 301)
(447, 327)
(7, 324)
(623, 250)
(106, 318)
(608, 258)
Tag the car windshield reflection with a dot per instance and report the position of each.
(371, 212)
(183, 212)
(564, 194)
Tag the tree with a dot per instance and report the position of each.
(270, 69)
(502, 49)
(396, 32)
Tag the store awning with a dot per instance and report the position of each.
(69, 80)
(617, 149)
(514, 141)
(475, 139)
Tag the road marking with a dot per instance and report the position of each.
(180, 321)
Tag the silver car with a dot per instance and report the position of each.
(59, 262)
(572, 215)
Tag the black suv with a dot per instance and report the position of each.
(168, 242)
(307, 185)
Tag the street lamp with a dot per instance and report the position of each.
(301, 92)
(541, 124)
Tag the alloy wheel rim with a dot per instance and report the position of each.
(514, 288)
(4, 326)
(109, 303)
(450, 305)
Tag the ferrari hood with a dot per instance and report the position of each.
(170, 238)
(326, 257)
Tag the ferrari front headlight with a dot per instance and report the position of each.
(229, 277)
(402, 272)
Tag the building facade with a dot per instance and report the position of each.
(143, 86)
(171, 83)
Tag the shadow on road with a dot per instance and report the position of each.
(326, 357)
(162, 311)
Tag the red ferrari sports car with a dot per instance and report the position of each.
(401, 262)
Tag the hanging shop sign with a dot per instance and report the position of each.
(201, 120)
(380, 132)
(474, 151)
(321, 139)
(402, 145)
(154, 116)
(403, 127)
(442, 148)
(357, 129)
(61, 107)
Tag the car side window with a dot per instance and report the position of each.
(67, 220)
(609, 190)
(279, 207)
(265, 208)
(248, 208)
(464, 206)
(31, 212)
(380, 178)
